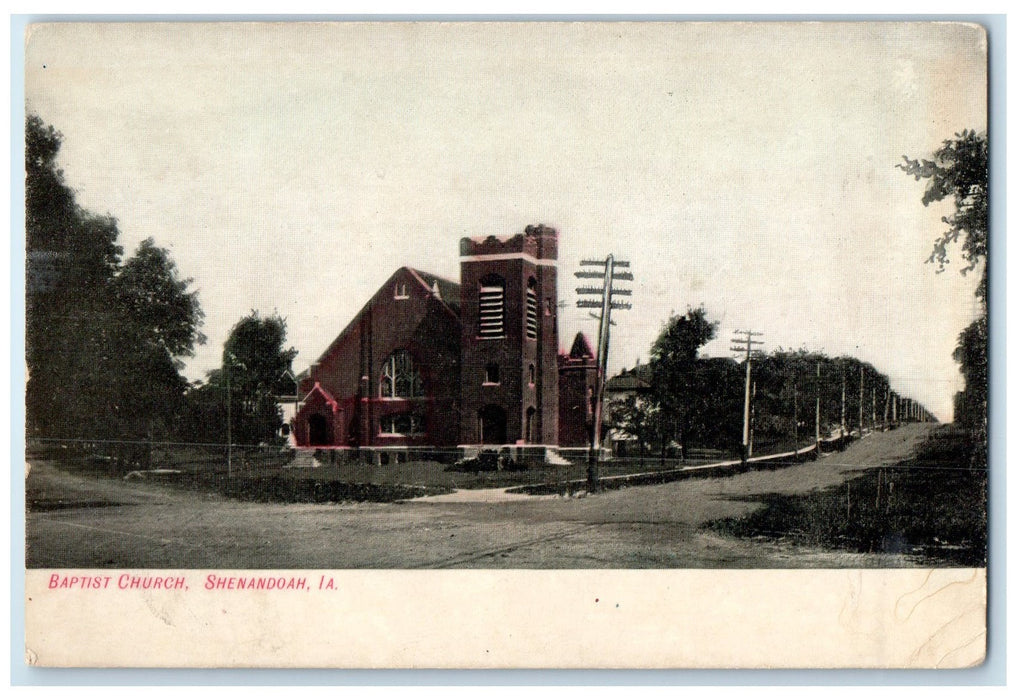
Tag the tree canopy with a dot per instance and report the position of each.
(697, 402)
(960, 169)
(672, 369)
(103, 336)
(257, 368)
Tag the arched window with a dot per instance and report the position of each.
(491, 320)
(531, 309)
(400, 379)
(528, 432)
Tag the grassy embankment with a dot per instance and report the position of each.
(932, 505)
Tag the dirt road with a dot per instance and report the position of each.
(92, 523)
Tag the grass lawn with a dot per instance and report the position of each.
(934, 505)
(264, 474)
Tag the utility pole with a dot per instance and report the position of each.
(752, 418)
(229, 426)
(743, 342)
(873, 423)
(229, 362)
(818, 392)
(843, 405)
(861, 405)
(794, 435)
(604, 270)
(886, 408)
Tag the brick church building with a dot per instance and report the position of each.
(432, 365)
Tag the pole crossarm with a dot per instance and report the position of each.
(601, 297)
(742, 343)
(598, 291)
(603, 263)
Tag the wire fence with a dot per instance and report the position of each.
(194, 456)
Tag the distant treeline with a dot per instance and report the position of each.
(698, 403)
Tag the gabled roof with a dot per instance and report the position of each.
(448, 297)
(319, 390)
(580, 347)
(627, 381)
(448, 291)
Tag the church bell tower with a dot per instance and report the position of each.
(509, 343)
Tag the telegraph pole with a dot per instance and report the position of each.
(743, 342)
(843, 405)
(873, 424)
(229, 362)
(794, 394)
(229, 425)
(818, 366)
(861, 404)
(752, 418)
(603, 270)
(886, 408)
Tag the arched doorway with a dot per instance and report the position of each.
(492, 425)
(319, 429)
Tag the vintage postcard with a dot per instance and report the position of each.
(506, 344)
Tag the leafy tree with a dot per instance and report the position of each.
(960, 169)
(103, 338)
(699, 401)
(161, 311)
(672, 369)
(970, 405)
(255, 366)
(715, 419)
(154, 325)
(640, 418)
(71, 258)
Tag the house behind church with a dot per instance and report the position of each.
(430, 365)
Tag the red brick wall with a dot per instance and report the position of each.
(419, 324)
(511, 260)
(576, 379)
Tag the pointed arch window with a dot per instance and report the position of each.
(400, 378)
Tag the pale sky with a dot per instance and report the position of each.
(745, 167)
